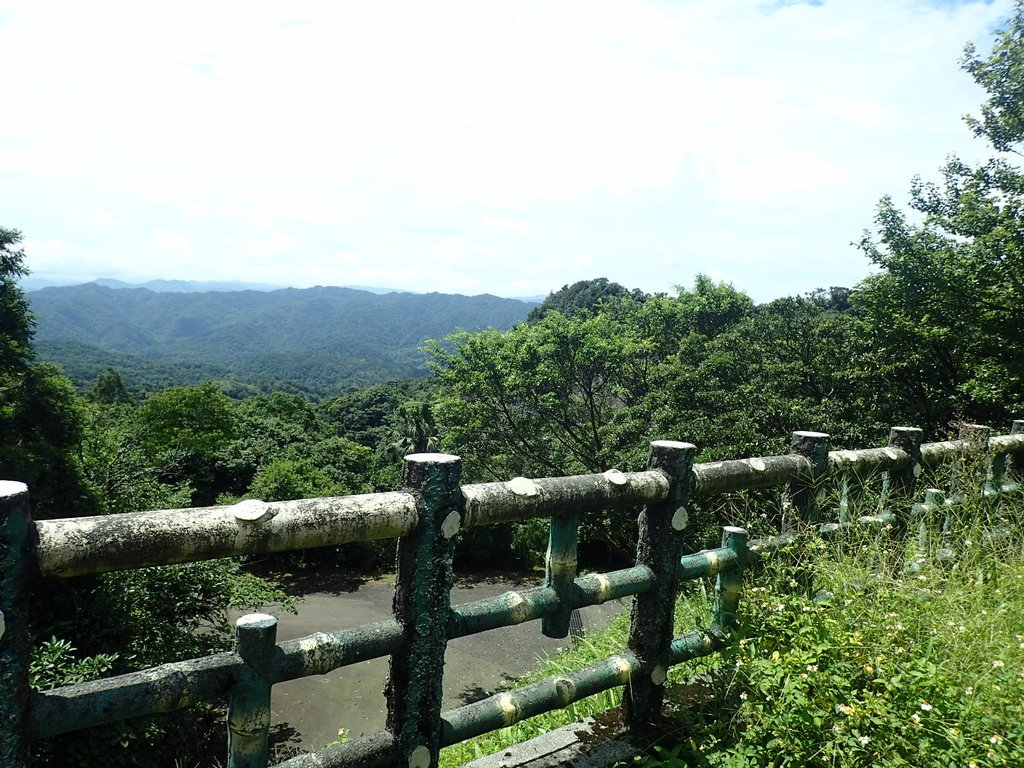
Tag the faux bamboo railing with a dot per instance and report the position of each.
(425, 517)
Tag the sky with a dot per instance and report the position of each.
(475, 147)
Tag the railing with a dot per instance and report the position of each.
(425, 517)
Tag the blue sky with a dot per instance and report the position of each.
(475, 147)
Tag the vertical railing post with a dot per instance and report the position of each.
(560, 571)
(898, 485)
(977, 461)
(15, 567)
(997, 476)
(803, 493)
(249, 707)
(852, 496)
(422, 605)
(660, 547)
(729, 585)
(1015, 460)
(929, 515)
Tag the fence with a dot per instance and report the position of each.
(425, 517)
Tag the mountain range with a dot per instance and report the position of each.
(318, 341)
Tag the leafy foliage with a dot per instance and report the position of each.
(584, 296)
(944, 319)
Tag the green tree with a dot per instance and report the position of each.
(558, 396)
(186, 430)
(785, 366)
(108, 388)
(584, 296)
(943, 319)
(414, 430)
(39, 417)
(710, 307)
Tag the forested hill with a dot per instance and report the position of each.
(318, 341)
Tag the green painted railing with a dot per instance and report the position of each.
(425, 516)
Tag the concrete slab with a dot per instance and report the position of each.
(580, 745)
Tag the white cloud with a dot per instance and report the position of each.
(537, 135)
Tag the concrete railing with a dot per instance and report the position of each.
(425, 517)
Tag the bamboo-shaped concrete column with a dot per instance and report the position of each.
(560, 571)
(422, 605)
(803, 492)
(660, 548)
(978, 462)
(729, 585)
(998, 471)
(249, 708)
(1015, 460)
(898, 484)
(15, 564)
(929, 515)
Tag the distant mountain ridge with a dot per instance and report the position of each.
(321, 340)
(32, 283)
(186, 286)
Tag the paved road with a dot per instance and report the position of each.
(308, 712)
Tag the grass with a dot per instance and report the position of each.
(892, 657)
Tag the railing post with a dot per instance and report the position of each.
(978, 460)
(422, 605)
(729, 585)
(899, 484)
(659, 547)
(803, 493)
(852, 496)
(560, 571)
(1015, 460)
(15, 564)
(249, 708)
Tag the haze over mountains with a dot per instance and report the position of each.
(315, 341)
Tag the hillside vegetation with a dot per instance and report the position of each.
(315, 341)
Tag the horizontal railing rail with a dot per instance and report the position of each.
(424, 518)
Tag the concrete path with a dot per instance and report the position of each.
(308, 712)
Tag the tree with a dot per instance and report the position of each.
(39, 417)
(15, 319)
(185, 431)
(785, 366)
(712, 307)
(944, 319)
(584, 296)
(414, 431)
(108, 388)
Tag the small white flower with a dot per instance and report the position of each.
(997, 664)
(926, 706)
(863, 739)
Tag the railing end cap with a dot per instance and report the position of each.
(433, 458)
(676, 444)
(255, 620)
(10, 488)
